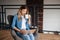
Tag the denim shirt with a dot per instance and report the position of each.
(18, 23)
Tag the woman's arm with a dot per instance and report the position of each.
(29, 21)
(15, 28)
(13, 24)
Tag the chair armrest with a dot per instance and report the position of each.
(32, 30)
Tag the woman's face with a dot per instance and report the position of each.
(24, 11)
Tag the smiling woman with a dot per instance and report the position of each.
(20, 25)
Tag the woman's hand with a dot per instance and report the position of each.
(23, 31)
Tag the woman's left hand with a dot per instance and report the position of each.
(24, 31)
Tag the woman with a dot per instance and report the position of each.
(21, 23)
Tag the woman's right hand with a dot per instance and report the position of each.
(23, 31)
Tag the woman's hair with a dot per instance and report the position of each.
(23, 7)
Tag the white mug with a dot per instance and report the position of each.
(26, 16)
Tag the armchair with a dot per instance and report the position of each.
(33, 30)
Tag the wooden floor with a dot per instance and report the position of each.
(5, 35)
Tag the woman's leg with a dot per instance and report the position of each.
(22, 37)
(14, 35)
(26, 37)
(31, 36)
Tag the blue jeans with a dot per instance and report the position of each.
(29, 36)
